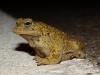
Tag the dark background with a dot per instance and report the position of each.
(81, 19)
(34, 8)
(57, 13)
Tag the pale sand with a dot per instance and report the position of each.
(13, 62)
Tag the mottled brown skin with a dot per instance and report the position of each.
(51, 45)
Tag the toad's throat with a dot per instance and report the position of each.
(30, 37)
(27, 37)
(32, 40)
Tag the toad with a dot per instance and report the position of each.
(51, 45)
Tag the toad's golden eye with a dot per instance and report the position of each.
(27, 23)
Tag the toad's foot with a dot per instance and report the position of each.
(37, 58)
(45, 61)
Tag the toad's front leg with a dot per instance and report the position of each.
(53, 58)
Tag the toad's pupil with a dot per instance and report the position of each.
(27, 23)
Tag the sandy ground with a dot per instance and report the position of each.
(15, 61)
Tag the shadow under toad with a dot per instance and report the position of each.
(98, 63)
(24, 47)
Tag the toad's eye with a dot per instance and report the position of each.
(27, 23)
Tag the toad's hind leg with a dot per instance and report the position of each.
(77, 50)
(79, 54)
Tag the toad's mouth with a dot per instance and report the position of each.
(26, 36)
(23, 32)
